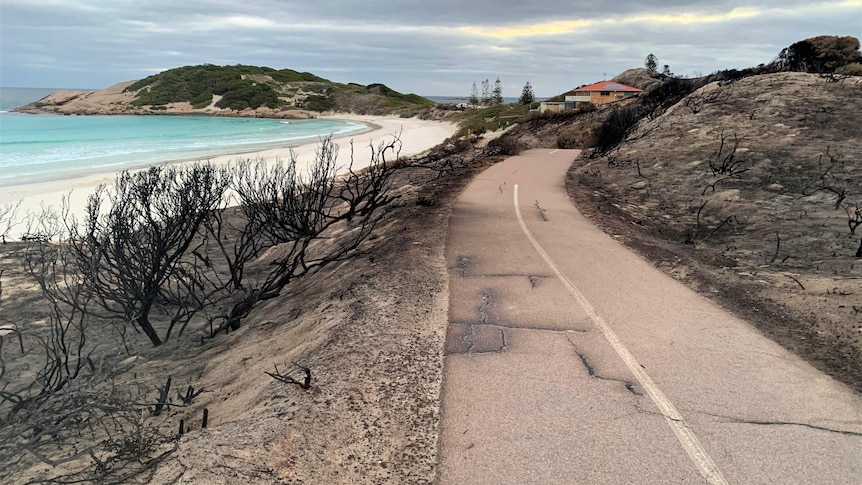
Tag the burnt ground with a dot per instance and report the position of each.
(760, 224)
(371, 329)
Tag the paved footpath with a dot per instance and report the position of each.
(571, 360)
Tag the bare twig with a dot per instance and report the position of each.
(854, 219)
(726, 162)
(190, 394)
(162, 401)
(777, 247)
(638, 165)
(796, 280)
(279, 376)
(713, 185)
(8, 220)
(725, 221)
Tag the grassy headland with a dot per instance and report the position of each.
(234, 91)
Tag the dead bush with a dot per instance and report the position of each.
(8, 213)
(61, 402)
(657, 100)
(619, 123)
(581, 137)
(504, 145)
(285, 209)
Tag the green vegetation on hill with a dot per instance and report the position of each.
(394, 99)
(242, 87)
(492, 118)
(198, 84)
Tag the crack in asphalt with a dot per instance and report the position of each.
(541, 212)
(470, 339)
(463, 265)
(631, 388)
(484, 316)
(473, 339)
(487, 299)
(521, 327)
(503, 346)
(658, 414)
(805, 425)
(592, 372)
(505, 275)
(733, 420)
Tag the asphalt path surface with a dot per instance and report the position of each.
(569, 359)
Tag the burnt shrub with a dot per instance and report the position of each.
(580, 137)
(505, 145)
(616, 127)
(665, 95)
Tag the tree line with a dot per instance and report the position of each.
(490, 97)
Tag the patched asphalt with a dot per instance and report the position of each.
(536, 391)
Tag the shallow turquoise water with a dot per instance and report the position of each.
(49, 146)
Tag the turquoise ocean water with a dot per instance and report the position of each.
(40, 147)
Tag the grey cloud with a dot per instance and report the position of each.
(460, 12)
(409, 45)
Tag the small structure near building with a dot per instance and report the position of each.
(555, 107)
(598, 93)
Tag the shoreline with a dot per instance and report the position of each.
(72, 175)
(417, 136)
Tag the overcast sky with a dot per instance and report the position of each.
(430, 47)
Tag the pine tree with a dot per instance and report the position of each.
(651, 63)
(474, 95)
(497, 98)
(527, 96)
(486, 91)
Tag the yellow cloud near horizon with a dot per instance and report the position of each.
(568, 26)
(693, 18)
(544, 28)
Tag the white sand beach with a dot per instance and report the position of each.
(416, 136)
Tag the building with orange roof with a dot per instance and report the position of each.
(598, 93)
(602, 92)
